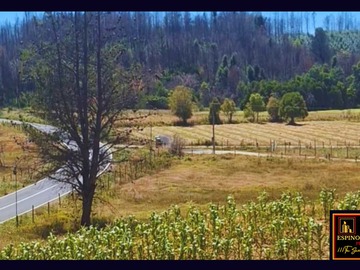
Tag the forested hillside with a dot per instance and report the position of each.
(216, 54)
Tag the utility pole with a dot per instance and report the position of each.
(16, 163)
(16, 209)
(150, 147)
(213, 129)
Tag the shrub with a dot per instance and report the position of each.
(177, 146)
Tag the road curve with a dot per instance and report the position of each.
(40, 193)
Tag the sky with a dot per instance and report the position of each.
(10, 16)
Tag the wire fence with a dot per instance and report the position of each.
(317, 148)
(119, 173)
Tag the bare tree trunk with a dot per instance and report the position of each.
(90, 176)
(292, 121)
(88, 188)
(184, 121)
(88, 196)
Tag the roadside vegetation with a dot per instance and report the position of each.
(201, 184)
(20, 114)
(20, 154)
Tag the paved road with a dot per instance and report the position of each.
(40, 193)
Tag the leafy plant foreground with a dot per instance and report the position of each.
(285, 229)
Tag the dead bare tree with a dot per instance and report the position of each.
(83, 90)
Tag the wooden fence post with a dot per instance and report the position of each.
(330, 150)
(125, 172)
(33, 214)
(132, 169)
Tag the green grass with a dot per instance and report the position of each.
(26, 114)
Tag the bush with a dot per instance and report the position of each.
(177, 146)
(182, 124)
(153, 102)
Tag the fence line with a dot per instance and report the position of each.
(128, 171)
(316, 148)
(120, 173)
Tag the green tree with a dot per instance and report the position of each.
(248, 112)
(228, 107)
(257, 104)
(221, 79)
(250, 74)
(160, 90)
(272, 108)
(243, 94)
(354, 82)
(205, 94)
(320, 46)
(233, 74)
(180, 102)
(214, 117)
(292, 105)
(156, 102)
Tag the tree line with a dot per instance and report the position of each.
(222, 54)
(82, 69)
(290, 106)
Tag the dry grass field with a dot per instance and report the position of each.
(193, 181)
(16, 150)
(197, 180)
(204, 179)
(143, 118)
(322, 133)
